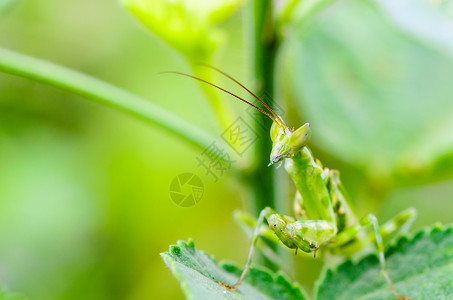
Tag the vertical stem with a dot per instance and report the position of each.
(264, 51)
(261, 177)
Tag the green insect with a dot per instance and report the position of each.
(324, 220)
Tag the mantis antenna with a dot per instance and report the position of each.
(223, 90)
(250, 92)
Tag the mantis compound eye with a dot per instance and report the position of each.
(275, 222)
(300, 138)
(274, 131)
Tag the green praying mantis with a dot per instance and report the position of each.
(324, 219)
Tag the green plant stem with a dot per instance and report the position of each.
(261, 176)
(101, 92)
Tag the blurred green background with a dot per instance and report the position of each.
(84, 202)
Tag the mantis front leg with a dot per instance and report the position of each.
(306, 235)
(256, 233)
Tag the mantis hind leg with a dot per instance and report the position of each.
(351, 232)
(400, 223)
(395, 226)
(256, 233)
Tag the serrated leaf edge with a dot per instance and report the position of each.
(170, 262)
(390, 250)
(294, 285)
(166, 256)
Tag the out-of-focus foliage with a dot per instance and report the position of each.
(4, 295)
(200, 275)
(427, 21)
(6, 6)
(387, 96)
(84, 203)
(420, 267)
(189, 26)
(296, 11)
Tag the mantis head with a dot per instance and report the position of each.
(287, 141)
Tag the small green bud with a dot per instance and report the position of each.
(188, 26)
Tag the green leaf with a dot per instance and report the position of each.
(376, 99)
(419, 19)
(199, 275)
(420, 267)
